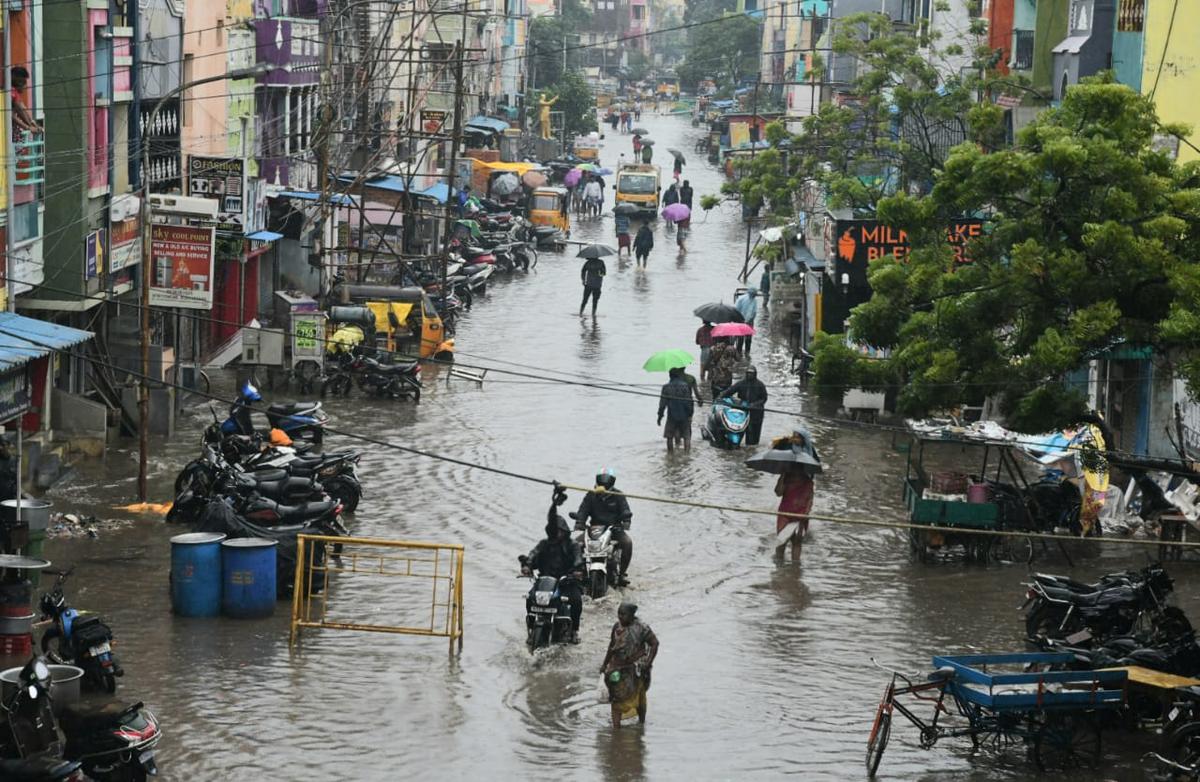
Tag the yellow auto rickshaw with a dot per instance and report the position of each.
(550, 206)
(405, 319)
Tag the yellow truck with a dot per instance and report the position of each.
(640, 186)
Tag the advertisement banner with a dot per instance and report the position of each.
(739, 135)
(14, 393)
(93, 255)
(182, 272)
(126, 247)
(859, 242)
(224, 181)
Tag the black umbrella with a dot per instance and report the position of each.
(718, 312)
(647, 142)
(678, 155)
(596, 251)
(639, 131)
(625, 208)
(780, 460)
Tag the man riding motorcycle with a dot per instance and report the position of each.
(558, 555)
(605, 505)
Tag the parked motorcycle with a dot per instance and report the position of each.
(299, 420)
(114, 742)
(82, 641)
(547, 611)
(726, 424)
(1059, 611)
(394, 381)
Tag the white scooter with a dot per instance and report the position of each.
(600, 558)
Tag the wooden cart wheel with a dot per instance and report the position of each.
(1067, 741)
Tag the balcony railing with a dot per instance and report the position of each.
(30, 159)
(1022, 50)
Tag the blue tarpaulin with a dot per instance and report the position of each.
(23, 339)
(307, 195)
(439, 192)
(264, 236)
(489, 124)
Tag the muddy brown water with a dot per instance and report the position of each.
(764, 670)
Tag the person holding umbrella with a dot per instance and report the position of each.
(704, 339)
(675, 400)
(685, 194)
(748, 306)
(621, 218)
(592, 274)
(647, 153)
(643, 243)
(796, 461)
(637, 145)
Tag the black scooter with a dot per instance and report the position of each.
(83, 641)
(547, 611)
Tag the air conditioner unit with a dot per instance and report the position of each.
(184, 205)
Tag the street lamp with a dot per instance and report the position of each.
(143, 384)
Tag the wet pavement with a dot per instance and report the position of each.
(764, 670)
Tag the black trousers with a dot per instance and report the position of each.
(594, 293)
(625, 543)
(572, 590)
(754, 427)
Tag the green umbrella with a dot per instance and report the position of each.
(666, 360)
(588, 167)
(471, 226)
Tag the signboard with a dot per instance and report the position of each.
(182, 266)
(25, 270)
(93, 255)
(126, 249)
(858, 242)
(433, 121)
(14, 393)
(739, 135)
(223, 180)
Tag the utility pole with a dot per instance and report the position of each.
(753, 146)
(455, 140)
(327, 117)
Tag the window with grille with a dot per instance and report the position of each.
(1131, 15)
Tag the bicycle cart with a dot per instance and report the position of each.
(1054, 714)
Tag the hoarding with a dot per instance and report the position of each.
(224, 181)
(181, 274)
(126, 249)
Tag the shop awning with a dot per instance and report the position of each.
(264, 236)
(439, 192)
(489, 124)
(1071, 44)
(23, 339)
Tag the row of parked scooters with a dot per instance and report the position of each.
(1122, 620)
(107, 742)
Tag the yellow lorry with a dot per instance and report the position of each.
(640, 186)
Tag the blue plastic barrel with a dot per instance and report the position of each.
(248, 583)
(196, 573)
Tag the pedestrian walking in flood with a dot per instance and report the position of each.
(753, 392)
(704, 339)
(795, 491)
(623, 240)
(643, 243)
(678, 169)
(647, 154)
(592, 276)
(671, 196)
(682, 227)
(747, 304)
(675, 400)
(637, 146)
(722, 358)
(637, 110)
(685, 194)
(627, 665)
(593, 197)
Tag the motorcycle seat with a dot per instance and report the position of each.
(80, 718)
(269, 474)
(293, 408)
(473, 269)
(1062, 582)
(306, 510)
(399, 368)
(286, 486)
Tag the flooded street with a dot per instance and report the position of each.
(764, 670)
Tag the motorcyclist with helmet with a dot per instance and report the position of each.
(558, 555)
(605, 505)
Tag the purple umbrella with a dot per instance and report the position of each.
(572, 177)
(676, 212)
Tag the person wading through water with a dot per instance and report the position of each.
(627, 665)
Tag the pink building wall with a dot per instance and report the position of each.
(203, 128)
(98, 73)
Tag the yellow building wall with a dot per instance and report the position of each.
(1176, 83)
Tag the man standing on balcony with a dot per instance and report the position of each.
(22, 119)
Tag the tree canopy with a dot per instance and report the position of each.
(547, 37)
(725, 51)
(1091, 240)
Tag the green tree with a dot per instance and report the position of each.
(1092, 240)
(547, 37)
(725, 50)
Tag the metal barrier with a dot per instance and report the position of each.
(440, 564)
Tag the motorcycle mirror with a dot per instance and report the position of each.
(41, 671)
(33, 692)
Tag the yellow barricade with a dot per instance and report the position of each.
(412, 579)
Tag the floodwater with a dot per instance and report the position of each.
(764, 670)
